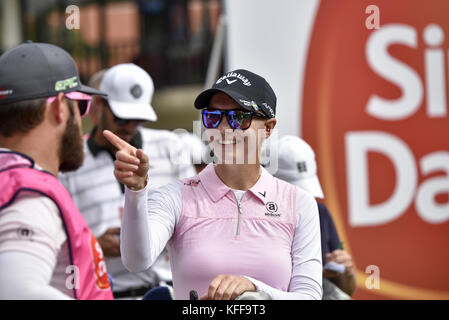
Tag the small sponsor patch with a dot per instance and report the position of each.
(302, 166)
(269, 109)
(192, 183)
(25, 233)
(246, 102)
(255, 106)
(272, 207)
(268, 214)
(136, 91)
(5, 92)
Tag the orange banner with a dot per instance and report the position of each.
(375, 110)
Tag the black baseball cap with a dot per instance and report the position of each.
(38, 70)
(249, 90)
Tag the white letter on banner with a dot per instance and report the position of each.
(428, 209)
(395, 71)
(358, 144)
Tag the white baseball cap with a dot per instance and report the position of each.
(130, 90)
(297, 165)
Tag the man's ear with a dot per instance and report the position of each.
(269, 126)
(57, 109)
(96, 109)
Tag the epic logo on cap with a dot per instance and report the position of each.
(376, 113)
(66, 84)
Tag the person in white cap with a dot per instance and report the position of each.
(297, 165)
(98, 195)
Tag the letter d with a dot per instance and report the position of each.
(358, 144)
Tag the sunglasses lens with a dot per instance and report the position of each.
(83, 106)
(84, 101)
(211, 119)
(239, 119)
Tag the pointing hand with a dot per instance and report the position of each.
(131, 166)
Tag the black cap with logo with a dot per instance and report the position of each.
(249, 90)
(38, 70)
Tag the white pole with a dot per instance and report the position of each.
(217, 53)
(11, 24)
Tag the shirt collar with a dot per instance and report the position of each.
(262, 188)
(216, 189)
(12, 159)
(94, 148)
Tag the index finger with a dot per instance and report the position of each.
(116, 141)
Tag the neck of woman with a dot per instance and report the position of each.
(238, 176)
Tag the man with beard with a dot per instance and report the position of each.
(47, 250)
(98, 195)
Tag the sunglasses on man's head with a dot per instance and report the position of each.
(237, 119)
(84, 101)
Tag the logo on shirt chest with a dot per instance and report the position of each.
(192, 183)
(25, 233)
(272, 209)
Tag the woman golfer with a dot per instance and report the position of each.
(233, 228)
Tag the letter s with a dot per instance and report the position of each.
(395, 71)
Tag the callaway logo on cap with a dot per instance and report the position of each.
(236, 75)
(249, 90)
(38, 70)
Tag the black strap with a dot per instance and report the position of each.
(137, 292)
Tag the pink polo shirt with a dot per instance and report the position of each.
(214, 236)
(272, 236)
